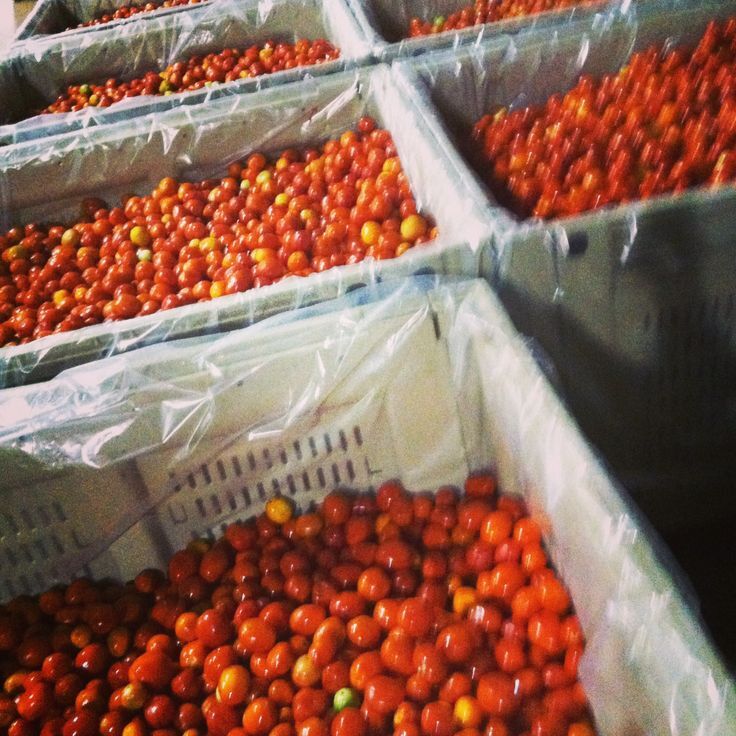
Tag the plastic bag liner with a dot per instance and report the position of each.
(44, 69)
(46, 181)
(386, 24)
(635, 304)
(60, 17)
(425, 382)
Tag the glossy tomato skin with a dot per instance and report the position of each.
(192, 74)
(183, 242)
(400, 637)
(612, 140)
(128, 11)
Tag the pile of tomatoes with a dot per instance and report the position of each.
(197, 72)
(394, 613)
(304, 211)
(488, 11)
(664, 123)
(128, 11)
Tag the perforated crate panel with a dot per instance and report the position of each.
(269, 433)
(50, 528)
(649, 354)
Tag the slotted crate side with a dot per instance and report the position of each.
(222, 460)
(234, 485)
(52, 528)
(229, 487)
(649, 360)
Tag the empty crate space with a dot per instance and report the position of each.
(41, 72)
(425, 383)
(46, 184)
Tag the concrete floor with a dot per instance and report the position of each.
(21, 10)
(11, 15)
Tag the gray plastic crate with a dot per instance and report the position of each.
(59, 17)
(43, 181)
(635, 304)
(386, 24)
(424, 383)
(39, 71)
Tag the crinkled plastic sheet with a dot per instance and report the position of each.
(635, 304)
(43, 69)
(426, 383)
(60, 17)
(386, 24)
(42, 181)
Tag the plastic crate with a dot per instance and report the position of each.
(635, 304)
(38, 72)
(425, 382)
(54, 17)
(386, 24)
(45, 182)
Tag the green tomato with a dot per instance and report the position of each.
(345, 697)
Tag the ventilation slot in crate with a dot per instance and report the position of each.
(689, 388)
(238, 483)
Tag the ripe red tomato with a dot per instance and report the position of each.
(221, 645)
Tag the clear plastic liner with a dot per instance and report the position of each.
(635, 303)
(42, 70)
(424, 382)
(43, 181)
(386, 24)
(60, 17)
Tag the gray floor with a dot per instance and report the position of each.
(21, 10)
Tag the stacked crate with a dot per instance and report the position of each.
(406, 368)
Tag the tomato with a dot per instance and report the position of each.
(415, 617)
(259, 717)
(306, 618)
(255, 636)
(544, 630)
(306, 672)
(607, 141)
(279, 630)
(220, 718)
(496, 527)
(438, 719)
(397, 652)
(502, 582)
(312, 727)
(496, 694)
(383, 694)
(457, 642)
(364, 667)
(374, 584)
(214, 628)
(309, 702)
(195, 241)
(153, 669)
(364, 631)
(234, 685)
(348, 722)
